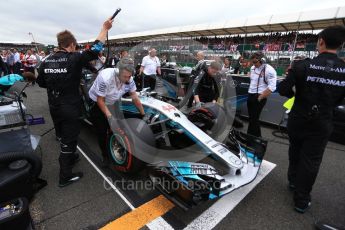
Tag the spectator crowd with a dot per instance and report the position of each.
(17, 61)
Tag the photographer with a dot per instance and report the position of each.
(108, 88)
(60, 73)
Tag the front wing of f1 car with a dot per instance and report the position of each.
(189, 183)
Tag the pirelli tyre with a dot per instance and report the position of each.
(210, 118)
(130, 146)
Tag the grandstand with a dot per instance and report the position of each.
(4, 45)
(280, 37)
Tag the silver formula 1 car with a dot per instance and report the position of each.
(170, 143)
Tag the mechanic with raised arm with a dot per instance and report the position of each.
(60, 73)
(318, 86)
(208, 88)
(108, 88)
(263, 81)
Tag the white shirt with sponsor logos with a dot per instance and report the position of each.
(108, 85)
(268, 79)
(150, 65)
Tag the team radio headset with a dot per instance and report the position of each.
(262, 73)
(125, 62)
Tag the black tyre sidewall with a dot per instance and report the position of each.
(132, 164)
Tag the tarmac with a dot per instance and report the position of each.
(92, 203)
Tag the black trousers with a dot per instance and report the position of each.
(4, 70)
(308, 140)
(102, 128)
(16, 68)
(66, 119)
(191, 99)
(254, 110)
(149, 81)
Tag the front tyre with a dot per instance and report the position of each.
(127, 146)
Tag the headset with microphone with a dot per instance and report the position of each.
(126, 64)
(259, 56)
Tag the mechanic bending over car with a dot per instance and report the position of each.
(108, 88)
(318, 86)
(208, 88)
(60, 73)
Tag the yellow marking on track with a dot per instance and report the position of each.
(142, 215)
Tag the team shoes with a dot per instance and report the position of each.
(73, 178)
(63, 182)
(300, 206)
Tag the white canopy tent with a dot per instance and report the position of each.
(303, 21)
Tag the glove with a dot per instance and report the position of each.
(198, 105)
(146, 118)
(142, 116)
(112, 122)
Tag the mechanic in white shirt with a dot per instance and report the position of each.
(150, 66)
(110, 85)
(263, 81)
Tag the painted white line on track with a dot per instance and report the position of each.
(210, 217)
(221, 208)
(107, 180)
(158, 223)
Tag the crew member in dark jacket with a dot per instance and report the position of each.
(60, 73)
(318, 86)
(208, 88)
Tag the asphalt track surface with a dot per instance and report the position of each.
(92, 204)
